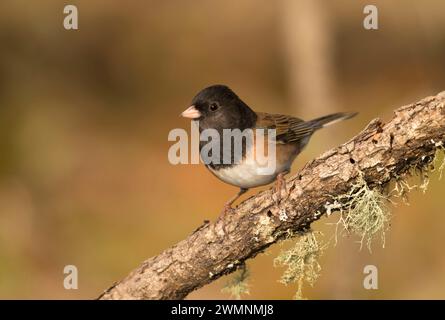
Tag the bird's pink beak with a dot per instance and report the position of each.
(191, 113)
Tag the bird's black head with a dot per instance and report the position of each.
(218, 107)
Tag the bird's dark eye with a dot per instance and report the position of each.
(214, 106)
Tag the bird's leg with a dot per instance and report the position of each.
(280, 185)
(228, 205)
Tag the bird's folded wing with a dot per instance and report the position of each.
(288, 129)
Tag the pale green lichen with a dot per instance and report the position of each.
(442, 167)
(301, 262)
(363, 211)
(401, 185)
(439, 161)
(238, 285)
(401, 189)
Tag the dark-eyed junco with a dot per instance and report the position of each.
(218, 107)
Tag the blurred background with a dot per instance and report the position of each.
(85, 114)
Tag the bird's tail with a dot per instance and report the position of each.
(325, 121)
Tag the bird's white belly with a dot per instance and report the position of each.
(246, 175)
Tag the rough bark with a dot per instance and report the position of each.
(380, 152)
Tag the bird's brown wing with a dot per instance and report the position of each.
(288, 129)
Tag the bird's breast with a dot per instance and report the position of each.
(249, 173)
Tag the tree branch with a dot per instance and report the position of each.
(380, 152)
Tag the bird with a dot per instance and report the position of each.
(218, 108)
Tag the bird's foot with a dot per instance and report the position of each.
(280, 186)
(227, 209)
